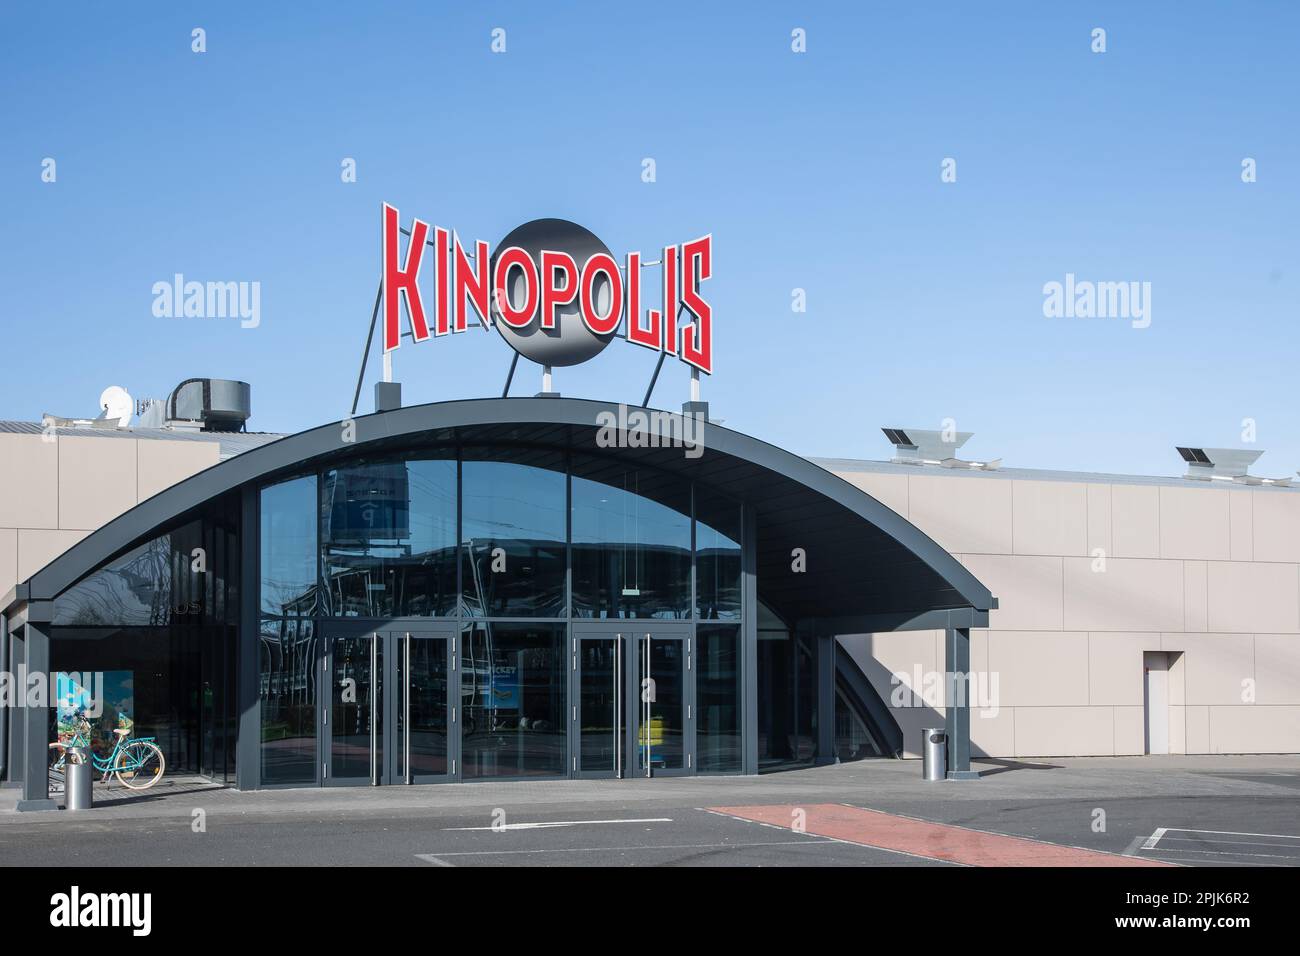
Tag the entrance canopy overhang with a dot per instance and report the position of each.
(829, 555)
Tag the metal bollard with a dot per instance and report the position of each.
(79, 776)
(934, 752)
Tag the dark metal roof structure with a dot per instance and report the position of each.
(862, 558)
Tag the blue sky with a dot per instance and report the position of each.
(817, 171)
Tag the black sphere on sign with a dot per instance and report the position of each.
(570, 342)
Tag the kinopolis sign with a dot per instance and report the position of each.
(551, 288)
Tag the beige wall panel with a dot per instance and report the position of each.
(1214, 665)
(1277, 670)
(1039, 668)
(1115, 666)
(1196, 596)
(161, 464)
(1194, 524)
(963, 513)
(1254, 730)
(1275, 524)
(8, 559)
(29, 482)
(1241, 515)
(97, 480)
(1028, 589)
(1049, 517)
(1099, 519)
(1130, 595)
(1064, 731)
(36, 549)
(1254, 597)
(1135, 520)
(1198, 729)
(889, 490)
(1130, 730)
(993, 734)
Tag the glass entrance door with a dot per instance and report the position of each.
(389, 717)
(424, 717)
(354, 711)
(632, 712)
(600, 713)
(662, 663)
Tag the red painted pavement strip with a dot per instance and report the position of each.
(937, 841)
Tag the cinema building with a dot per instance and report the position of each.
(495, 589)
(487, 589)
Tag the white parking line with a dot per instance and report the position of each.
(1154, 838)
(1163, 840)
(553, 823)
(1278, 836)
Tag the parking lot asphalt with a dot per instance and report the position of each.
(1197, 811)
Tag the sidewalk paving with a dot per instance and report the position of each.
(864, 782)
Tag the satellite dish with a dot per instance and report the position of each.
(116, 404)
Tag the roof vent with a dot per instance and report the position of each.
(210, 405)
(1225, 464)
(921, 446)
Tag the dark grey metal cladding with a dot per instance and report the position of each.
(862, 557)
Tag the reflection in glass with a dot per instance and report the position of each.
(513, 535)
(356, 707)
(853, 740)
(717, 556)
(631, 542)
(513, 687)
(287, 690)
(661, 744)
(427, 688)
(718, 698)
(388, 536)
(288, 548)
(599, 741)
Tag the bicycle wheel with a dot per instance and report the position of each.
(58, 761)
(139, 765)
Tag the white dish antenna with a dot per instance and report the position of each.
(116, 404)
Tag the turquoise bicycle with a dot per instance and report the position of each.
(137, 762)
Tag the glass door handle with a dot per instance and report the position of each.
(374, 739)
(618, 707)
(646, 683)
(405, 691)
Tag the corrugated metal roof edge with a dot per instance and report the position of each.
(848, 465)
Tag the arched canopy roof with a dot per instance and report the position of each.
(862, 558)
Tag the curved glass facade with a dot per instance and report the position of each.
(492, 562)
(388, 538)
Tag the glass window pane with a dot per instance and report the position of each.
(718, 698)
(717, 556)
(388, 537)
(356, 706)
(287, 689)
(661, 743)
(513, 534)
(138, 678)
(427, 684)
(288, 548)
(514, 690)
(631, 542)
